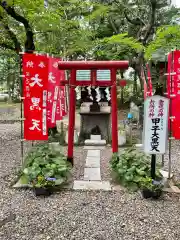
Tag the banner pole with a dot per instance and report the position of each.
(153, 166)
(170, 114)
(22, 121)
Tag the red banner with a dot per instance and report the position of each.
(176, 98)
(176, 77)
(170, 70)
(145, 84)
(173, 79)
(173, 91)
(169, 80)
(58, 108)
(150, 88)
(35, 84)
(53, 91)
(61, 104)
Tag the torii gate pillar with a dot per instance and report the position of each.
(92, 65)
(114, 112)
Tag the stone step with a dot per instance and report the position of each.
(92, 162)
(92, 185)
(94, 147)
(90, 142)
(95, 137)
(92, 174)
(93, 153)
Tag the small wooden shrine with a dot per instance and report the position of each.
(95, 108)
(94, 81)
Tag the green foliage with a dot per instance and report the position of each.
(9, 73)
(98, 11)
(42, 182)
(123, 40)
(116, 47)
(148, 183)
(132, 168)
(167, 39)
(43, 163)
(114, 161)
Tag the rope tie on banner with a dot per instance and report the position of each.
(170, 74)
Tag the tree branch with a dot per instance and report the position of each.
(152, 20)
(113, 25)
(7, 46)
(136, 21)
(29, 43)
(17, 45)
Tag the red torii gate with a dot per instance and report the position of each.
(93, 66)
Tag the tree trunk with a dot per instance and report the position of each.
(135, 84)
(141, 82)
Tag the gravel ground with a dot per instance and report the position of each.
(175, 155)
(87, 215)
(10, 154)
(79, 162)
(10, 113)
(80, 215)
(106, 155)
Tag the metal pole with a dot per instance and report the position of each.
(153, 166)
(162, 162)
(114, 112)
(170, 115)
(72, 109)
(22, 121)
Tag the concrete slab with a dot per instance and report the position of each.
(93, 153)
(175, 189)
(90, 142)
(92, 185)
(92, 174)
(165, 174)
(94, 147)
(139, 145)
(56, 146)
(92, 162)
(95, 137)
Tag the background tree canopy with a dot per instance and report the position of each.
(74, 29)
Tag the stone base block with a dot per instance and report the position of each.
(92, 185)
(96, 137)
(90, 142)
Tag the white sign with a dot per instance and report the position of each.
(156, 109)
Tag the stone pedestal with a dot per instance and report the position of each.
(90, 120)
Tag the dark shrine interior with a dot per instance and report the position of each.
(85, 97)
